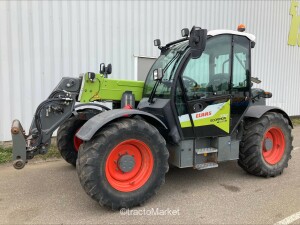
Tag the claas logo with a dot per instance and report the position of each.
(203, 114)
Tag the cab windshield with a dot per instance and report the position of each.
(169, 62)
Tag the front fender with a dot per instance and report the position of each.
(91, 105)
(256, 111)
(88, 130)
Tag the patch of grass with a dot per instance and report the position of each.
(52, 153)
(6, 154)
(296, 121)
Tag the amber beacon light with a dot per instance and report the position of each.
(241, 28)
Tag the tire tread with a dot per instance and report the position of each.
(250, 150)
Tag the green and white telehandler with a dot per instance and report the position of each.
(196, 108)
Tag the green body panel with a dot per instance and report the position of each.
(108, 89)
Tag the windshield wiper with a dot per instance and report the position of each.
(176, 56)
(151, 97)
(180, 53)
(240, 61)
(157, 82)
(171, 61)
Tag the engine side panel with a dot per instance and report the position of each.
(102, 88)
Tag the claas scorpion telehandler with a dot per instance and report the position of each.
(196, 108)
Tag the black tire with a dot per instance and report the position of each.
(93, 158)
(252, 158)
(66, 133)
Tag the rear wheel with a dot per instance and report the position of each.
(67, 142)
(266, 146)
(124, 164)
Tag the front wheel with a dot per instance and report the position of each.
(266, 146)
(124, 164)
(67, 142)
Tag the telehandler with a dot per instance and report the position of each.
(197, 108)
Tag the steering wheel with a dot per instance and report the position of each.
(218, 80)
(189, 82)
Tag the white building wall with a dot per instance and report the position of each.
(41, 41)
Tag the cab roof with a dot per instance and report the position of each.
(251, 37)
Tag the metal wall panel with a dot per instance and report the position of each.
(41, 41)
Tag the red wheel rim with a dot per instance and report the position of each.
(141, 171)
(273, 153)
(77, 141)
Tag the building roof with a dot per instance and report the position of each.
(218, 32)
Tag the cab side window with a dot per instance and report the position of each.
(209, 75)
(241, 62)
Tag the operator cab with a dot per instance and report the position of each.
(208, 94)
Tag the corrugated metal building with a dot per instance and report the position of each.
(41, 41)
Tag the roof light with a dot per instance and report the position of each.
(241, 28)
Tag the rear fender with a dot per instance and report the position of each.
(256, 111)
(88, 130)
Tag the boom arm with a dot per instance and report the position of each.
(49, 115)
(60, 105)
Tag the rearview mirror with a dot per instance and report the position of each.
(157, 42)
(185, 32)
(255, 80)
(197, 41)
(158, 74)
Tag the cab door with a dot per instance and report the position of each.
(210, 92)
(241, 79)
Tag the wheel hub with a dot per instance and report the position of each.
(268, 144)
(126, 163)
(273, 145)
(129, 165)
